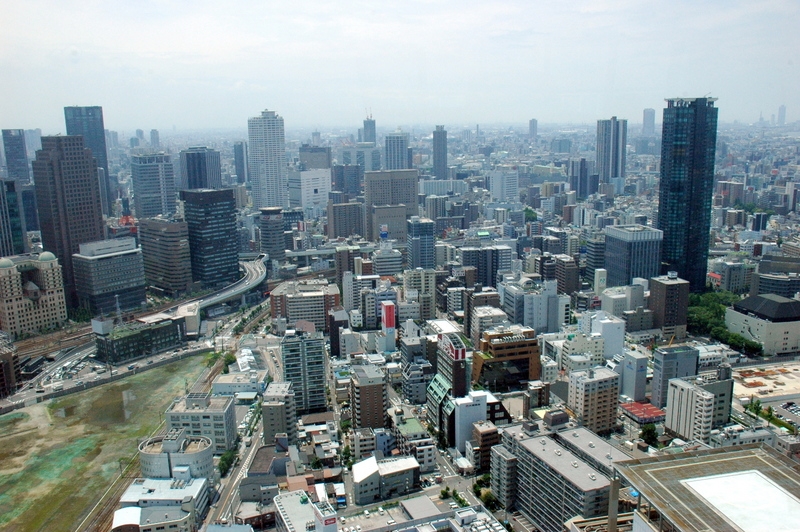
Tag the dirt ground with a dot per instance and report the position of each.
(58, 457)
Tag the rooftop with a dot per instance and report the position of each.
(151, 489)
(576, 471)
(770, 307)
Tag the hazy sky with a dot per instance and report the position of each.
(204, 64)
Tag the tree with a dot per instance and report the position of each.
(649, 434)
(769, 414)
(445, 493)
(530, 215)
(490, 501)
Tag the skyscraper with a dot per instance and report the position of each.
(271, 225)
(649, 123)
(68, 201)
(240, 161)
(688, 145)
(155, 141)
(88, 121)
(782, 115)
(369, 130)
(267, 160)
(211, 219)
(200, 168)
(16, 155)
(389, 188)
(303, 357)
(419, 243)
(440, 152)
(13, 237)
(153, 179)
(612, 137)
(533, 128)
(397, 151)
(631, 251)
(165, 251)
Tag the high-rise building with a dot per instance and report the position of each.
(582, 178)
(671, 363)
(240, 161)
(31, 296)
(612, 138)
(27, 195)
(696, 406)
(649, 123)
(488, 261)
(397, 151)
(68, 201)
(303, 363)
(10, 370)
(308, 300)
(364, 154)
(166, 255)
(153, 179)
(314, 157)
(533, 128)
(782, 115)
(669, 301)
(309, 191)
(594, 397)
(279, 413)
(16, 155)
(397, 187)
(419, 243)
(211, 219)
(440, 152)
(109, 274)
(369, 130)
(503, 183)
(155, 141)
(369, 397)
(631, 251)
(348, 178)
(271, 224)
(345, 219)
(200, 168)
(88, 121)
(687, 183)
(420, 284)
(13, 233)
(266, 160)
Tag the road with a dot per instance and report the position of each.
(229, 501)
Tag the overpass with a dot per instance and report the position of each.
(255, 272)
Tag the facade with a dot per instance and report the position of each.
(594, 397)
(13, 232)
(200, 168)
(420, 285)
(271, 224)
(369, 397)
(631, 251)
(309, 189)
(304, 365)
(202, 414)
(143, 337)
(488, 261)
(649, 123)
(16, 155)
(696, 407)
(633, 375)
(386, 260)
(345, 219)
(389, 188)
(612, 140)
(31, 295)
(266, 160)
(506, 358)
(535, 305)
(10, 371)
(88, 122)
(503, 465)
(153, 185)
(308, 300)
(669, 301)
(688, 147)
(397, 151)
(279, 413)
(440, 153)
(109, 274)
(68, 201)
(503, 183)
(671, 363)
(314, 157)
(166, 255)
(348, 178)
(420, 242)
(769, 319)
(171, 454)
(211, 220)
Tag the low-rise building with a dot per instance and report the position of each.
(150, 505)
(145, 336)
(375, 480)
(175, 454)
(202, 414)
(769, 319)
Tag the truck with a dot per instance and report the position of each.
(58, 386)
(132, 367)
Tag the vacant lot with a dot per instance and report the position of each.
(58, 457)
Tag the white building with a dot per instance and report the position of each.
(374, 481)
(176, 455)
(266, 161)
(170, 503)
(769, 319)
(609, 327)
(503, 183)
(308, 189)
(202, 414)
(469, 410)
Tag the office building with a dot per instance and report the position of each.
(308, 300)
(153, 179)
(203, 414)
(451, 379)
(506, 358)
(369, 130)
(697, 406)
(671, 363)
(16, 155)
(109, 275)
(68, 201)
(649, 123)
(567, 273)
(631, 251)
(88, 122)
(374, 480)
(345, 220)
(503, 183)
(177, 454)
(369, 396)
(200, 168)
(386, 260)
(420, 285)
(396, 151)
(304, 364)
(768, 319)
(31, 294)
(594, 397)
(483, 318)
(687, 182)
(348, 178)
(240, 161)
(155, 141)
(535, 305)
(389, 188)
(13, 231)
(279, 413)
(612, 139)
(533, 128)
(150, 504)
(633, 375)
(270, 223)
(211, 220)
(314, 158)
(420, 243)
(669, 301)
(440, 153)
(364, 154)
(309, 191)
(166, 256)
(266, 160)
(147, 335)
(478, 297)
(488, 261)
(10, 370)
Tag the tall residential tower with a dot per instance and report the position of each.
(267, 160)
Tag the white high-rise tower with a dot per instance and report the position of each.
(267, 160)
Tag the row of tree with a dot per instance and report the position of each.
(706, 316)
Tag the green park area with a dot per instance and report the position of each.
(59, 457)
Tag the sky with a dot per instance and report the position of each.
(212, 64)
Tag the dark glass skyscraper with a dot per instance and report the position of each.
(689, 138)
(200, 168)
(13, 239)
(440, 152)
(240, 161)
(88, 121)
(211, 217)
(420, 241)
(16, 155)
(369, 130)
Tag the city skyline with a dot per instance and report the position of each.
(179, 76)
